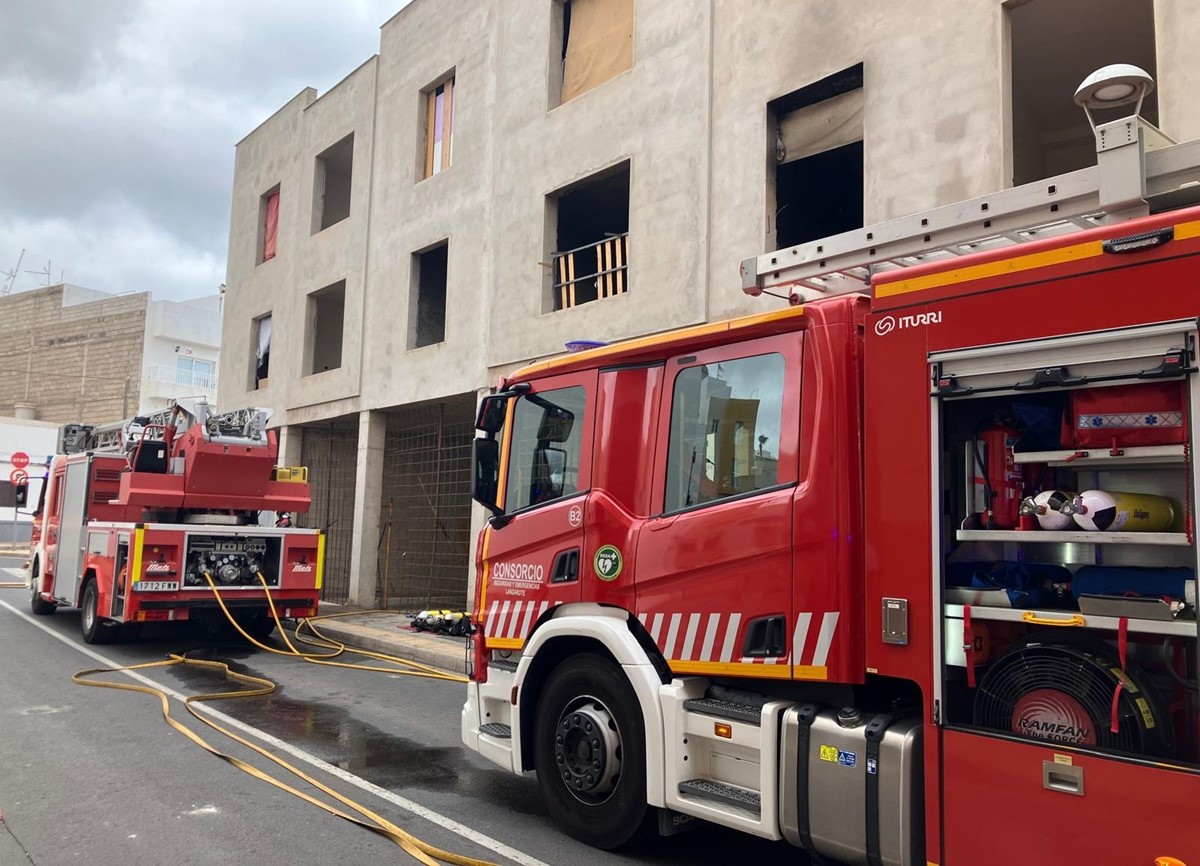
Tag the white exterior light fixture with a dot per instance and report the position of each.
(1112, 87)
(1121, 145)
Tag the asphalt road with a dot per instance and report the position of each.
(95, 776)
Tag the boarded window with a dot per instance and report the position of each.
(597, 43)
(439, 127)
(268, 224)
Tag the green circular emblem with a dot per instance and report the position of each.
(608, 562)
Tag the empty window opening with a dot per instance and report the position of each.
(597, 43)
(268, 224)
(261, 328)
(331, 184)
(591, 239)
(816, 137)
(1055, 44)
(439, 127)
(326, 313)
(430, 320)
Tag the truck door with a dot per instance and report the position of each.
(714, 568)
(532, 554)
(72, 512)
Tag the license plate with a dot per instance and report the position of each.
(156, 585)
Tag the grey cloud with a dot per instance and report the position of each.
(121, 119)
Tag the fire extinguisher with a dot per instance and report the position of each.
(998, 474)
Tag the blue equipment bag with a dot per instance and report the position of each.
(1127, 580)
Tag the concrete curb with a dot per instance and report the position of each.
(442, 653)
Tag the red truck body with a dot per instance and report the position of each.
(728, 589)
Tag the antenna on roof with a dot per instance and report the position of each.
(10, 277)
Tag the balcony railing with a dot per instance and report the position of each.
(591, 272)
(183, 378)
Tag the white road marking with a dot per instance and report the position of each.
(404, 803)
(15, 573)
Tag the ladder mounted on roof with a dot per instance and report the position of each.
(237, 427)
(1138, 171)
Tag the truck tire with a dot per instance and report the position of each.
(37, 604)
(259, 627)
(94, 630)
(590, 752)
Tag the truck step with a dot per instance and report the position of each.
(728, 795)
(724, 710)
(493, 729)
(503, 665)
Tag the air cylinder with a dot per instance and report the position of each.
(1047, 508)
(1108, 511)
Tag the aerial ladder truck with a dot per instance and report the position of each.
(146, 519)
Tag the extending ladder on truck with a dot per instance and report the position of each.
(1138, 171)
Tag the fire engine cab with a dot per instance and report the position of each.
(903, 572)
(144, 520)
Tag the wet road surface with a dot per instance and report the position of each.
(94, 771)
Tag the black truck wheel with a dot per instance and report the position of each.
(94, 630)
(37, 604)
(590, 752)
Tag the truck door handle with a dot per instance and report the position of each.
(566, 567)
(1062, 777)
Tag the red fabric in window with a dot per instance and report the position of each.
(271, 227)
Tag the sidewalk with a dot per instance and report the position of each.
(392, 633)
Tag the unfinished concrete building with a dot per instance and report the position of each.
(503, 177)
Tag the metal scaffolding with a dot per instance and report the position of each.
(329, 451)
(425, 537)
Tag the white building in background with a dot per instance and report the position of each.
(180, 351)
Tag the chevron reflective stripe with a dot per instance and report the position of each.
(713, 637)
(513, 619)
(825, 638)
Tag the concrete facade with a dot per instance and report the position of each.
(692, 118)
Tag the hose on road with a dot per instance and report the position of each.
(420, 851)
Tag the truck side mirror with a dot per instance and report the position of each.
(22, 495)
(492, 412)
(486, 460)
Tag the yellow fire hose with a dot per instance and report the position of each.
(420, 851)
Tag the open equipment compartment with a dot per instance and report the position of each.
(1068, 559)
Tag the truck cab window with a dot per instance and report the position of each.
(725, 422)
(546, 446)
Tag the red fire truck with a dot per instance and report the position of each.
(902, 573)
(138, 515)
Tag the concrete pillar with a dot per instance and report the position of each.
(289, 446)
(368, 501)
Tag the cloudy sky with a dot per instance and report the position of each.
(118, 120)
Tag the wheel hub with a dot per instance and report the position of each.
(587, 750)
